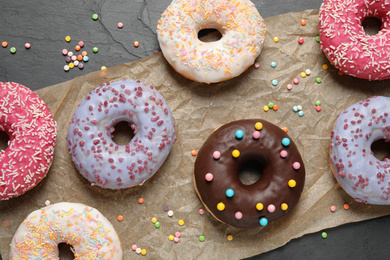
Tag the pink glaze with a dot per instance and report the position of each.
(345, 43)
(32, 134)
(97, 157)
(358, 171)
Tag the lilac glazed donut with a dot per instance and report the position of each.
(354, 165)
(97, 157)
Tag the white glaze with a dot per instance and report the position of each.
(90, 234)
(241, 26)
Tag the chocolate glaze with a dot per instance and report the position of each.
(271, 188)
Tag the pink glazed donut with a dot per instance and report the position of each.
(354, 165)
(26, 119)
(97, 157)
(345, 43)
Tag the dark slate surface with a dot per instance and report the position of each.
(45, 23)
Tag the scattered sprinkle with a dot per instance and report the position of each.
(221, 206)
(12, 50)
(166, 208)
(346, 206)
(67, 38)
(295, 108)
(95, 49)
(324, 235)
(170, 213)
(177, 234)
(325, 66)
(285, 129)
(81, 44)
(154, 220)
(318, 38)
(289, 86)
(258, 126)
(71, 65)
(236, 153)
(5, 223)
(201, 211)
(229, 237)
(138, 250)
(259, 206)
(64, 52)
(140, 200)
(257, 65)
(136, 44)
(300, 40)
(265, 108)
(284, 206)
(275, 107)
(157, 224)
(171, 237)
(300, 113)
(143, 252)
(299, 107)
(66, 68)
(318, 80)
(292, 183)
(103, 68)
(47, 202)
(134, 247)
(95, 16)
(276, 39)
(308, 72)
(201, 238)
(4, 44)
(274, 82)
(120, 218)
(303, 22)
(27, 45)
(270, 105)
(340, 72)
(273, 64)
(239, 134)
(296, 81)
(194, 152)
(318, 108)
(181, 222)
(120, 25)
(333, 208)
(318, 103)
(70, 54)
(176, 240)
(303, 74)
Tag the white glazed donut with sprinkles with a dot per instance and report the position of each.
(105, 163)
(89, 233)
(236, 145)
(354, 165)
(239, 22)
(26, 119)
(345, 42)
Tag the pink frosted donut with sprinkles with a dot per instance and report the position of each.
(31, 129)
(240, 24)
(345, 42)
(97, 157)
(89, 233)
(354, 165)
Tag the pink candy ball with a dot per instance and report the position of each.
(120, 25)
(134, 247)
(271, 208)
(238, 215)
(296, 166)
(256, 134)
(283, 154)
(176, 239)
(209, 177)
(216, 155)
(27, 45)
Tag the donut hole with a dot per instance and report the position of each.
(209, 35)
(65, 251)
(250, 172)
(4, 141)
(381, 149)
(372, 25)
(123, 133)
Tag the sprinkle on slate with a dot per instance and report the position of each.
(318, 80)
(303, 22)
(276, 39)
(12, 50)
(136, 44)
(120, 25)
(324, 235)
(4, 44)
(140, 200)
(194, 152)
(300, 40)
(27, 45)
(201, 238)
(257, 65)
(333, 208)
(346, 206)
(95, 49)
(120, 218)
(95, 16)
(67, 38)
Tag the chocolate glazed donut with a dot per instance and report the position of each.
(224, 154)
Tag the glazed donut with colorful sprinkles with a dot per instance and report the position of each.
(345, 42)
(97, 157)
(31, 129)
(359, 172)
(224, 154)
(89, 233)
(240, 24)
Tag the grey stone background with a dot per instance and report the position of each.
(45, 23)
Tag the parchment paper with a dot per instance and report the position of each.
(198, 109)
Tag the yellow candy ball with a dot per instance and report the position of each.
(103, 68)
(258, 126)
(171, 237)
(71, 65)
(284, 206)
(67, 38)
(181, 222)
(259, 206)
(221, 206)
(292, 183)
(236, 153)
(143, 251)
(154, 220)
(229, 237)
(266, 108)
(303, 74)
(276, 39)
(325, 66)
